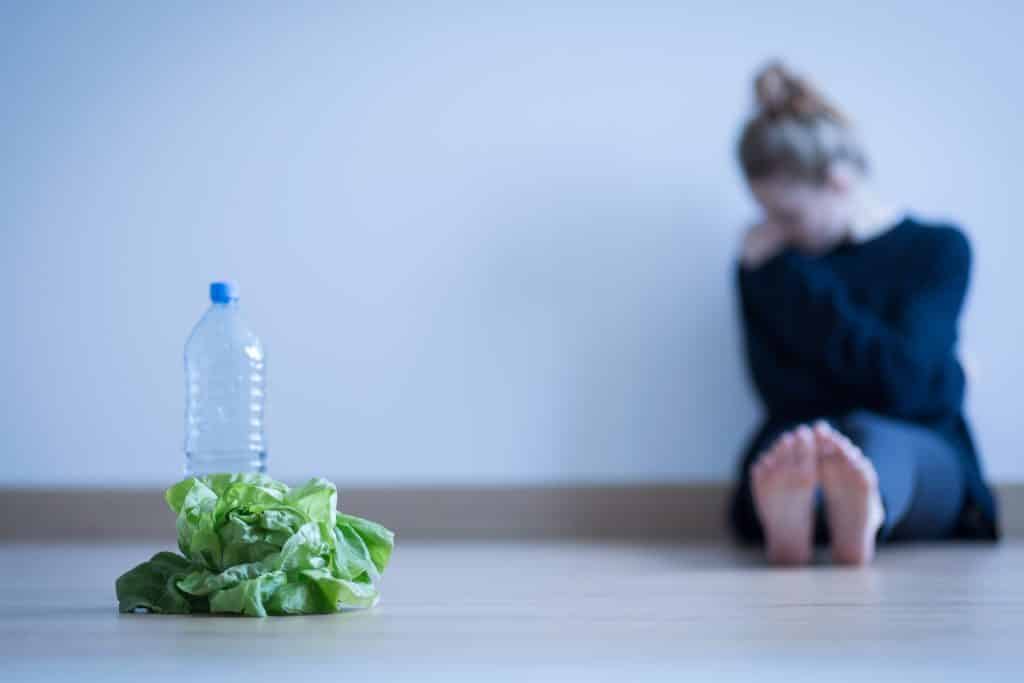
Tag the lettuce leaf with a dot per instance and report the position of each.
(250, 545)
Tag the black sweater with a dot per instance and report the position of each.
(869, 326)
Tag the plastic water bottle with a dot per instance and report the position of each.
(225, 379)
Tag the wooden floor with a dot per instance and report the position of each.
(544, 611)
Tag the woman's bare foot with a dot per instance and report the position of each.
(784, 479)
(852, 501)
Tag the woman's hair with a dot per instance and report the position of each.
(795, 131)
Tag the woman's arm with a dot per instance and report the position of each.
(907, 369)
(785, 384)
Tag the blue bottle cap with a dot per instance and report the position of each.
(223, 292)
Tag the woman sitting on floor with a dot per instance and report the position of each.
(850, 315)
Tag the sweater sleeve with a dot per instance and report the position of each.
(906, 368)
(785, 384)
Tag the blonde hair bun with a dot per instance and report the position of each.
(795, 131)
(782, 93)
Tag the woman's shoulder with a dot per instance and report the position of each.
(937, 239)
(928, 251)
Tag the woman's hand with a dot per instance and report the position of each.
(762, 241)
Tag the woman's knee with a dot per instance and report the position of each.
(862, 417)
(861, 425)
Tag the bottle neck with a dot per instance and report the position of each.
(224, 310)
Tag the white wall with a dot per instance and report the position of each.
(481, 245)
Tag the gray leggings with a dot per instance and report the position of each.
(920, 476)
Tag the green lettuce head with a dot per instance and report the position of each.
(250, 545)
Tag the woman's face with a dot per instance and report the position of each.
(815, 217)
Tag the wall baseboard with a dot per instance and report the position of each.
(687, 511)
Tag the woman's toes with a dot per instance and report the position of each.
(827, 446)
(822, 434)
(846, 446)
(804, 440)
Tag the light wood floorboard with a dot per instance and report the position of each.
(544, 610)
